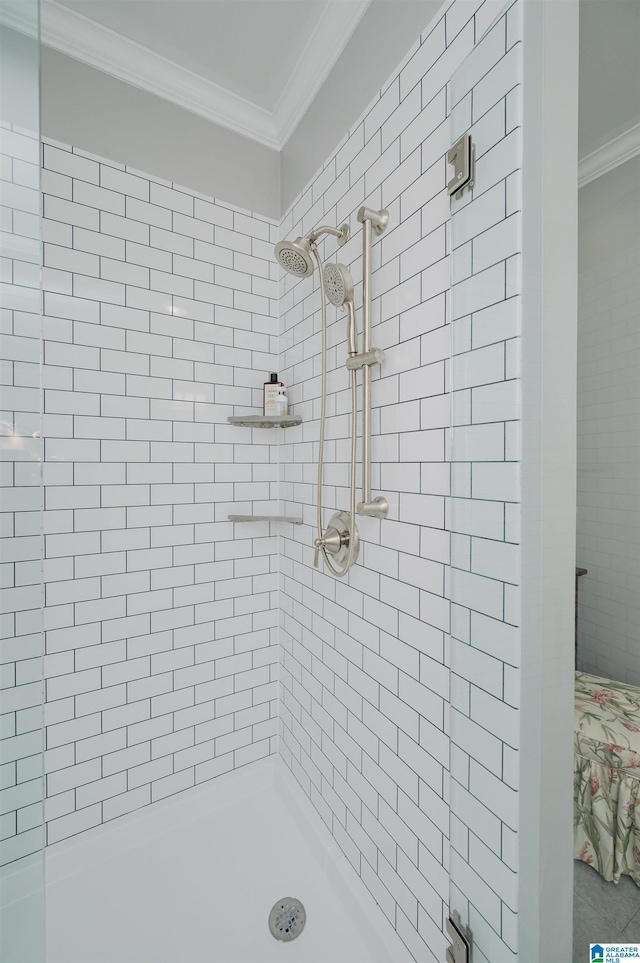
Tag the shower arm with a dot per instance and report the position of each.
(378, 507)
(341, 233)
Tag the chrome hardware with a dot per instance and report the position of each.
(287, 919)
(379, 219)
(336, 539)
(341, 233)
(340, 543)
(378, 508)
(462, 155)
(374, 356)
(460, 949)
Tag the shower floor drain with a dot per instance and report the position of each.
(287, 919)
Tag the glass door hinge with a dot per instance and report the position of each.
(459, 950)
(463, 158)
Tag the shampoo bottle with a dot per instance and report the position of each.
(281, 404)
(271, 389)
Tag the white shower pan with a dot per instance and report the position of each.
(193, 879)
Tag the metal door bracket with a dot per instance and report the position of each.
(463, 158)
(460, 949)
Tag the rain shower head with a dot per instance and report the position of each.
(295, 257)
(338, 284)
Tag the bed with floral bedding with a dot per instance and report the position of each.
(607, 776)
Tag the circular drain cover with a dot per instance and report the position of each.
(287, 919)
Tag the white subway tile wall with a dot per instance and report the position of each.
(484, 510)
(364, 674)
(161, 644)
(608, 531)
(21, 638)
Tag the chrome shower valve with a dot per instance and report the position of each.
(337, 539)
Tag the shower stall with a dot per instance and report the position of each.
(272, 678)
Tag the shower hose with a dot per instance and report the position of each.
(351, 557)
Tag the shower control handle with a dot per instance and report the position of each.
(332, 541)
(337, 540)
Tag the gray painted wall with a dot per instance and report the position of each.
(383, 37)
(100, 114)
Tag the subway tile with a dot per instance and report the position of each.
(59, 209)
(498, 81)
(74, 823)
(496, 244)
(98, 197)
(66, 259)
(126, 802)
(496, 401)
(422, 190)
(117, 180)
(501, 161)
(472, 219)
(478, 64)
(424, 58)
(93, 242)
(64, 162)
(122, 227)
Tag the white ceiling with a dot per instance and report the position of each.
(250, 47)
(253, 66)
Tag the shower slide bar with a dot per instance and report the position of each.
(378, 221)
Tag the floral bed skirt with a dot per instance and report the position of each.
(607, 776)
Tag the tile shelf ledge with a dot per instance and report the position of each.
(295, 520)
(265, 421)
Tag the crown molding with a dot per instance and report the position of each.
(83, 39)
(611, 155)
(75, 35)
(15, 15)
(329, 38)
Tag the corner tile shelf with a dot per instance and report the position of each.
(265, 421)
(265, 518)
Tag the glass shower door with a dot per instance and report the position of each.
(512, 506)
(22, 834)
(484, 516)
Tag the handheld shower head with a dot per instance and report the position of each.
(338, 287)
(295, 257)
(338, 284)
